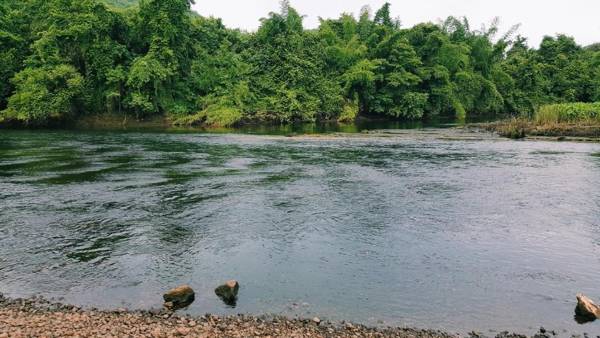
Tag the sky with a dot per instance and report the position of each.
(577, 18)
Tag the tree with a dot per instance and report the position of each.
(158, 57)
(44, 94)
(566, 68)
(383, 17)
(397, 80)
(13, 48)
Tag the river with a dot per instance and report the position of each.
(418, 228)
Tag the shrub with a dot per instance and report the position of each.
(43, 94)
(214, 116)
(349, 112)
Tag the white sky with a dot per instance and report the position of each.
(577, 18)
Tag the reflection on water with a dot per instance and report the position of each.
(412, 229)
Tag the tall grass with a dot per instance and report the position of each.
(568, 113)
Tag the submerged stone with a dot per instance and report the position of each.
(179, 297)
(228, 292)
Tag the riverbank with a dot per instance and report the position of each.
(115, 122)
(523, 128)
(39, 318)
(36, 317)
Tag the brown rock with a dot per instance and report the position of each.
(179, 297)
(228, 292)
(586, 308)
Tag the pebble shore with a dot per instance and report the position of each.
(36, 317)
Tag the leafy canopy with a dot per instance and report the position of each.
(61, 59)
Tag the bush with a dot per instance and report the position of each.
(44, 94)
(349, 112)
(214, 116)
(568, 113)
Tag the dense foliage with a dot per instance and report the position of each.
(61, 59)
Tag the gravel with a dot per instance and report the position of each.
(36, 317)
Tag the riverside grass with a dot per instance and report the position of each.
(579, 112)
(575, 120)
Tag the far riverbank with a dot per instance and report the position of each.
(560, 131)
(165, 124)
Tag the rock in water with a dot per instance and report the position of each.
(179, 297)
(228, 292)
(586, 308)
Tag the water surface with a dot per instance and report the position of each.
(415, 229)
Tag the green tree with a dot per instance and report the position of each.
(397, 80)
(158, 76)
(44, 94)
(157, 57)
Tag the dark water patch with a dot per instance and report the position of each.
(8, 173)
(124, 159)
(185, 199)
(548, 152)
(81, 177)
(10, 153)
(171, 162)
(70, 166)
(168, 145)
(107, 149)
(96, 250)
(38, 164)
(177, 177)
(174, 234)
(282, 177)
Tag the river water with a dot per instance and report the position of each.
(419, 228)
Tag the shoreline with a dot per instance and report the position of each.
(37, 317)
(166, 123)
(507, 128)
(530, 130)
